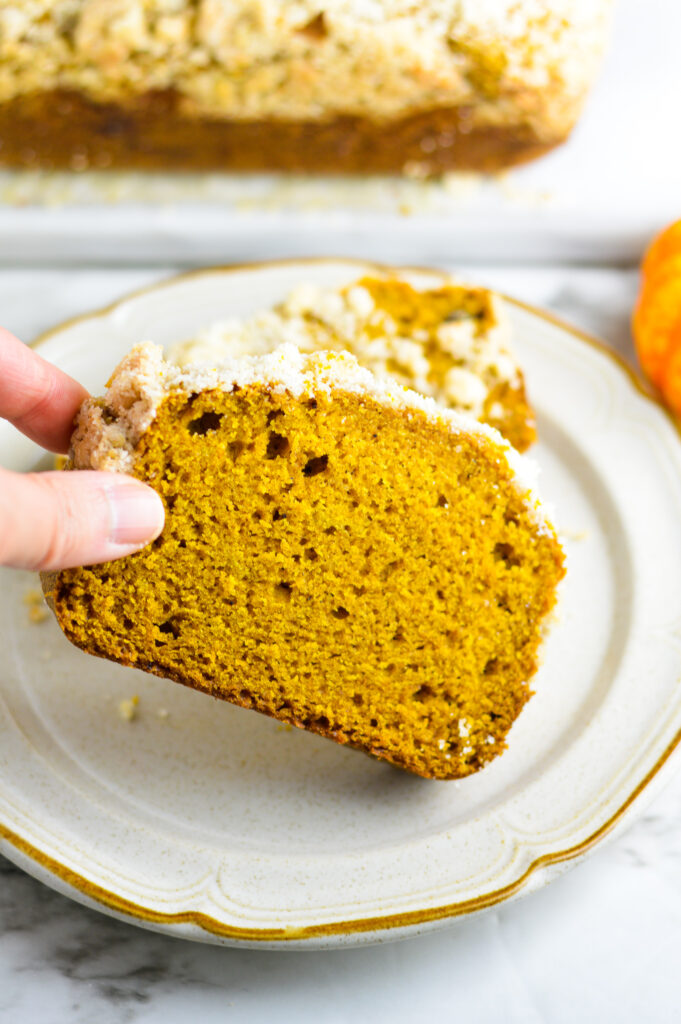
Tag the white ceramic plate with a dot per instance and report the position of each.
(215, 823)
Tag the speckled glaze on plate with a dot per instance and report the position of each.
(210, 822)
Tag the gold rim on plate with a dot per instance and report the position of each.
(205, 922)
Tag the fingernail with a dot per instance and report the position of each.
(136, 514)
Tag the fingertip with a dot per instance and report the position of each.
(38, 398)
(136, 512)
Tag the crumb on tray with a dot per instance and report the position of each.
(127, 709)
(35, 602)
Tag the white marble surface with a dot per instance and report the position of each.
(600, 944)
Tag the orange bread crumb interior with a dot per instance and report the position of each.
(339, 558)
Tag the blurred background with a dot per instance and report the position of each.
(597, 198)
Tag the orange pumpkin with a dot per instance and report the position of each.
(657, 317)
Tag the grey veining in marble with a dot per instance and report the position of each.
(600, 944)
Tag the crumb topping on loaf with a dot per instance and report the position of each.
(511, 60)
(109, 429)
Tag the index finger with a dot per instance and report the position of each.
(35, 396)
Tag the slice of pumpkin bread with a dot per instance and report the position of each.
(452, 342)
(339, 553)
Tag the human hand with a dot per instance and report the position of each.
(58, 520)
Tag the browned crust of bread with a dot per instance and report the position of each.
(49, 582)
(60, 129)
(50, 585)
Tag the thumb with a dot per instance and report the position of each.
(59, 520)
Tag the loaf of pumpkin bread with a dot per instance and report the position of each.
(339, 86)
